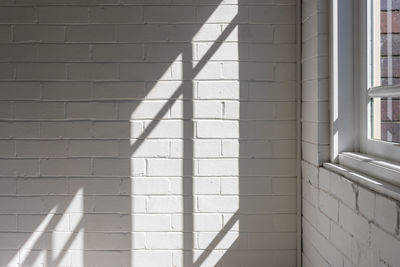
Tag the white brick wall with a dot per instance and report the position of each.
(315, 82)
(348, 225)
(148, 133)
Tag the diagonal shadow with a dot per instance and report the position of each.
(188, 147)
(213, 244)
(68, 244)
(53, 222)
(190, 76)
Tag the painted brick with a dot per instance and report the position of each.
(323, 247)
(41, 71)
(266, 241)
(120, 52)
(169, 14)
(142, 33)
(169, 167)
(39, 149)
(152, 258)
(5, 33)
(65, 167)
(69, 14)
(99, 186)
(386, 244)
(7, 149)
(118, 90)
(9, 223)
(341, 240)
(75, 129)
(24, 129)
(354, 224)
(17, 15)
(118, 167)
(18, 53)
(91, 110)
(112, 14)
(161, 204)
(208, 148)
(207, 222)
(366, 203)
(310, 193)
(320, 221)
(8, 186)
(143, 129)
(184, 32)
(343, 189)
(386, 213)
(36, 110)
(284, 33)
(63, 53)
(91, 33)
(275, 204)
(139, 111)
(221, 14)
(39, 33)
(329, 205)
(93, 148)
(6, 110)
(217, 129)
(19, 167)
(218, 90)
(218, 204)
(8, 71)
(152, 222)
(38, 186)
(92, 72)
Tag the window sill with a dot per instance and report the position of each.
(382, 169)
(374, 173)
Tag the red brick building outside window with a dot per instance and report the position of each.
(390, 68)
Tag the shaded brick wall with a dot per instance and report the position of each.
(345, 224)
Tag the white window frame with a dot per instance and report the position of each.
(343, 115)
(368, 145)
(351, 143)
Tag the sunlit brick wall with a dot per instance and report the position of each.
(147, 133)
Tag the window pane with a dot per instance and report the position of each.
(385, 121)
(389, 42)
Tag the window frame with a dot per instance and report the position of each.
(384, 149)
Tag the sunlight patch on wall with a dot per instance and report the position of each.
(73, 240)
(216, 110)
(27, 247)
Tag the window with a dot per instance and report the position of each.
(384, 89)
(365, 86)
(381, 116)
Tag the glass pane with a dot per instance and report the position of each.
(388, 43)
(385, 121)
